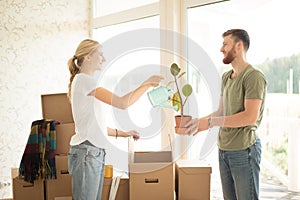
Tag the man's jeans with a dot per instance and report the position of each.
(86, 166)
(239, 172)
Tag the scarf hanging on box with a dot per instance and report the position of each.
(38, 159)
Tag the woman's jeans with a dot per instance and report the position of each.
(239, 172)
(86, 166)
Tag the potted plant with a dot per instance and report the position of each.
(179, 98)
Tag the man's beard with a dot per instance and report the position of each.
(230, 57)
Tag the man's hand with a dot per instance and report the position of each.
(196, 125)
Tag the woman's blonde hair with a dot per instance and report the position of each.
(84, 48)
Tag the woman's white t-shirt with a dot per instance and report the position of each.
(86, 126)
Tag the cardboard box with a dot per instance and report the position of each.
(23, 190)
(62, 186)
(63, 198)
(123, 189)
(57, 107)
(64, 132)
(151, 176)
(14, 172)
(193, 180)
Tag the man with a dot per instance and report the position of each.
(239, 114)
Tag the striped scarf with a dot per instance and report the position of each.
(38, 160)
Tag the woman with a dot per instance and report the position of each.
(87, 152)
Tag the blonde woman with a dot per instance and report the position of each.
(87, 152)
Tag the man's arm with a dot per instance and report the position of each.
(244, 118)
(247, 117)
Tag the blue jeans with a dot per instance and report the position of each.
(239, 172)
(86, 166)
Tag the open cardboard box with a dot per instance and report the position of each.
(151, 175)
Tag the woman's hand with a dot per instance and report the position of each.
(133, 133)
(153, 80)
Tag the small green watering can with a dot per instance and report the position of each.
(159, 96)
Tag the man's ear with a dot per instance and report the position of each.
(240, 44)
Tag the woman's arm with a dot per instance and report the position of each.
(118, 133)
(130, 98)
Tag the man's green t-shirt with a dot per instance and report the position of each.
(249, 84)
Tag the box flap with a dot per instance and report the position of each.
(195, 170)
(57, 107)
(193, 167)
(148, 167)
(153, 156)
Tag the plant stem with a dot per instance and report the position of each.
(184, 101)
(179, 94)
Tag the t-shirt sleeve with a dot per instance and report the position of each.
(255, 85)
(225, 77)
(86, 84)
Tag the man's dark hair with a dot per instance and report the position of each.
(237, 35)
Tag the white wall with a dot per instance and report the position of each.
(37, 37)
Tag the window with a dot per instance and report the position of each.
(127, 66)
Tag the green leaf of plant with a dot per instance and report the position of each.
(187, 90)
(175, 69)
(183, 73)
(176, 101)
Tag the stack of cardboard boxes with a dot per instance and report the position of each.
(56, 107)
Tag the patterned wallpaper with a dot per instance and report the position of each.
(37, 37)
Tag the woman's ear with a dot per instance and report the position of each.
(87, 57)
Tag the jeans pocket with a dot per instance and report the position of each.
(256, 152)
(72, 161)
(98, 155)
